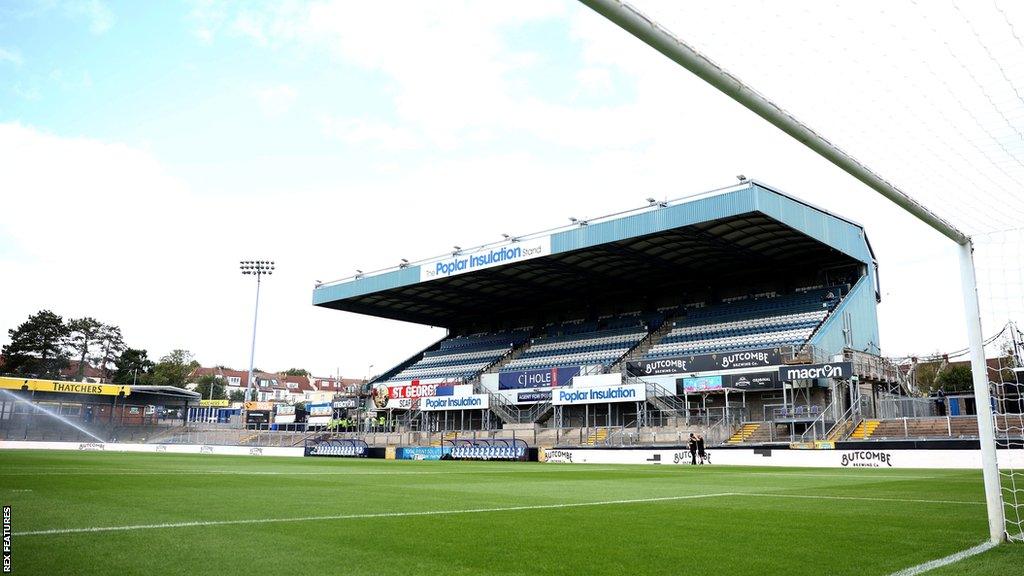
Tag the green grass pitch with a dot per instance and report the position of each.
(224, 515)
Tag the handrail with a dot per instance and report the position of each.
(813, 428)
(851, 415)
(715, 436)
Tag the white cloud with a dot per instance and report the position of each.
(102, 229)
(366, 132)
(11, 56)
(276, 100)
(593, 78)
(98, 14)
(71, 81)
(158, 257)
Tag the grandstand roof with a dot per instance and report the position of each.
(734, 236)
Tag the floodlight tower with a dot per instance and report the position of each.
(257, 268)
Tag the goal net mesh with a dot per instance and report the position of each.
(930, 95)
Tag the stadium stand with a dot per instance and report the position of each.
(578, 342)
(749, 322)
(462, 357)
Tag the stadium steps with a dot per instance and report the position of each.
(596, 437)
(764, 434)
(661, 398)
(865, 429)
(644, 345)
(507, 412)
(843, 429)
(744, 433)
(938, 427)
(446, 437)
(508, 357)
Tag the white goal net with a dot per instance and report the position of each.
(929, 95)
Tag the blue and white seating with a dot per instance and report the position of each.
(578, 343)
(462, 357)
(745, 323)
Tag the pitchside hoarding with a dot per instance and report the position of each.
(567, 396)
(546, 378)
(469, 402)
(834, 370)
(482, 258)
(760, 358)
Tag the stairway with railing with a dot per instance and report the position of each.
(744, 433)
(596, 437)
(864, 430)
(506, 411)
(845, 425)
(661, 398)
(643, 346)
(537, 413)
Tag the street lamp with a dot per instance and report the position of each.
(257, 268)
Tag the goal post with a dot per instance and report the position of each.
(982, 396)
(660, 39)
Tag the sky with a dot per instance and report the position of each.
(147, 148)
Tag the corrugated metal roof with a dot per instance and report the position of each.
(712, 234)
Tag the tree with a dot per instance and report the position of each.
(237, 396)
(205, 383)
(83, 337)
(955, 378)
(296, 372)
(133, 366)
(112, 346)
(925, 374)
(37, 346)
(174, 369)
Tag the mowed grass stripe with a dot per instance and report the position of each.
(201, 523)
(365, 516)
(759, 528)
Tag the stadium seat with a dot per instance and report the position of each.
(576, 343)
(761, 321)
(461, 357)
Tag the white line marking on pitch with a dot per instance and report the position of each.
(369, 515)
(303, 473)
(938, 563)
(863, 498)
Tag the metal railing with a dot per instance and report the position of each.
(817, 427)
(906, 428)
(845, 425)
(890, 407)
